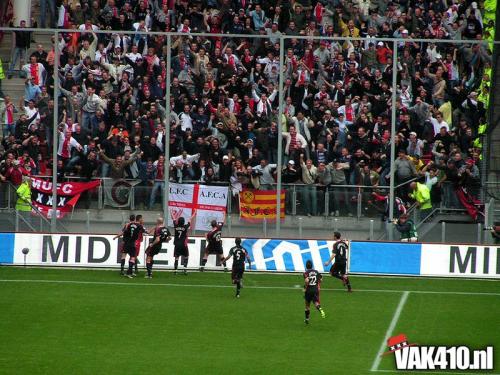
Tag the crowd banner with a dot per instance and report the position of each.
(118, 193)
(68, 194)
(267, 255)
(203, 203)
(257, 205)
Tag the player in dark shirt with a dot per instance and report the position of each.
(130, 236)
(240, 255)
(181, 243)
(138, 241)
(339, 268)
(161, 235)
(122, 248)
(312, 281)
(214, 244)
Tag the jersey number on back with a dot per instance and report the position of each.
(312, 280)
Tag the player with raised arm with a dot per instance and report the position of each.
(339, 253)
(214, 245)
(180, 239)
(161, 234)
(240, 255)
(122, 249)
(312, 280)
(130, 236)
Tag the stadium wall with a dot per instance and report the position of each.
(267, 255)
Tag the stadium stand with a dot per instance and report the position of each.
(224, 100)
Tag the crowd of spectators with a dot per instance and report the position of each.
(224, 122)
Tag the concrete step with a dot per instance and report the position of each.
(15, 87)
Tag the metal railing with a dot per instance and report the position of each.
(353, 197)
(29, 220)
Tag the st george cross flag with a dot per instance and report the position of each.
(206, 202)
(68, 194)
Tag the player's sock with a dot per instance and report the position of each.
(185, 264)
(308, 312)
(135, 267)
(122, 263)
(322, 312)
(238, 287)
(348, 283)
(203, 262)
(176, 264)
(130, 268)
(149, 268)
(224, 264)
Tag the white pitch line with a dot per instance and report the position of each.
(431, 372)
(131, 283)
(388, 333)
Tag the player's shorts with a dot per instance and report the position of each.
(129, 248)
(339, 268)
(153, 250)
(311, 296)
(237, 273)
(215, 250)
(181, 251)
(137, 248)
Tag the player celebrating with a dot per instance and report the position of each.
(138, 242)
(180, 240)
(214, 245)
(339, 268)
(130, 235)
(312, 279)
(240, 255)
(122, 250)
(161, 234)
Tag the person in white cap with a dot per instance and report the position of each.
(290, 175)
(474, 9)
(415, 146)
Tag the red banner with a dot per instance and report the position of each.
(68, 194)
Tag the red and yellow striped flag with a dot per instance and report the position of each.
(256, 205)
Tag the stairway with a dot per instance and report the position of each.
(14, 87)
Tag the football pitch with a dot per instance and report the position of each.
(67, 321)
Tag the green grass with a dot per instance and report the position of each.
(99, 323)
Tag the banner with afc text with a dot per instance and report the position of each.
(257, 205)
(202, 202)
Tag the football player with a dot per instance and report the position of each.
(214, 245)
(161, 235)
(312, 280)
(240, 255)
(339, 253)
